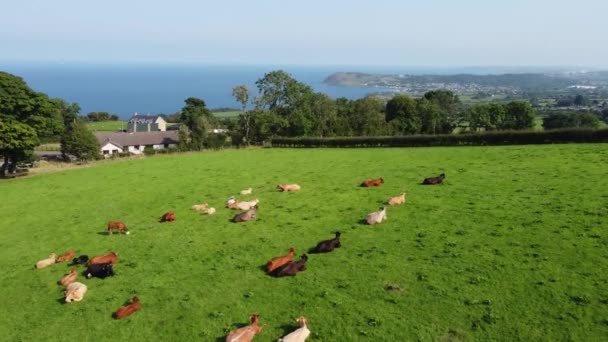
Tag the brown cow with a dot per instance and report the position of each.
(66, 257)
(129, 309)
(289, 187)
(110, 258)
(246, 333)
(246, 216)
(277, 262)
(69, 278)
(121, 227)
(168, 217)
(372, 182)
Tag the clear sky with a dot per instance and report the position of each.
(343, 32)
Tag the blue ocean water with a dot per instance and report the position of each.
(156, 89)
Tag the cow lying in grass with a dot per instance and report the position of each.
(167, 217)
(110, 258)
(277, 262)
(376, 217)
(246, 216)
(398, 199)
(69, 278)
(200, 207)
(231, 203)
(298, 335)
(209, 211)
(81, 260)
(246, 205)
(75, 292)
(290, 269)
(246, 333)
(289, 187)
(128, 310)
(121, 227)
(434, 180)
(327, 246)
(47, 262)
(372, 182)
(99, 271)
(65, 257)
(246, 191)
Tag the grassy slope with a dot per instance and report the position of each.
(230, 114)
(512, 247)
(107, 126)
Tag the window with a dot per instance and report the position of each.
(114, 151)
(166, 145)
(105, 151)
(136, 147)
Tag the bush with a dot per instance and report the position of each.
(474, 139)
(216, 141)
(149, 150)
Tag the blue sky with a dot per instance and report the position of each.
(354, 32)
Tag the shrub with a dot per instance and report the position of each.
(474, 139)
(149, 150)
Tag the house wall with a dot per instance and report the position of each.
(133, 150)
(109, 148)
(162, 124)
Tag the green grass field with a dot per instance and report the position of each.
(107, 126)
(514, 246)
(229, 114)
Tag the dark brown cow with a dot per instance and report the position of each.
(434, 180)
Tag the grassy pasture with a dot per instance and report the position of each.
(514, 246)
(107, 126)
(229, 114)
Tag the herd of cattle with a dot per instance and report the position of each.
(102, 266)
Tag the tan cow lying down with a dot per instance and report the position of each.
(288, 187)
(231, 203)
(376, 217)
(75, 292)
(47, 262)
(246, 191)
(209, 211)
(200, 207)
(246, 205)
(397, 200)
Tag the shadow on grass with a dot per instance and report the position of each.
(287, 328)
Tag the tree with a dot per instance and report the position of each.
(519, 115)
(580, 100)
(448, 105)
(27, 117)
(570, 120)
(241, 94)
(429, 114)
(79, 141)
(324, 110)
(478, 117)
(402, 112)
(198, 119)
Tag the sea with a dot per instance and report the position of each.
(126, 88)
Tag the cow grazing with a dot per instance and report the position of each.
(81, 260)
(121, 227)
(277, 262)
(47, 262)
(246, 205)
(398, 199)
(372, 182)
(290, 269)
(128, 310)
(69, 278)
(289, 187)
(200, 207)
(209, 211)
(376, 217)
(75, 292)
(246, 216)
(65, 257)
(167, 217)
(246, 191)
(246, 333)
(99, 271)
(110, 258)
(434, 180)
(298, 335)
(327, 246)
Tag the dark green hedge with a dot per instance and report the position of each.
(472, 139)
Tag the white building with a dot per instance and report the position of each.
(146, 123)
(136, 142)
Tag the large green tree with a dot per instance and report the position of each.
(402, 113)
(241, 95)
(80, 142)
(28, 117)
(519, 115)
(198, 119)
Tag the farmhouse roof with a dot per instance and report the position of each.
(136, 118)
(138, 138)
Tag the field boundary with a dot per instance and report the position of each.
(561, 136)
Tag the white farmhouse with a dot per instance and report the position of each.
(136, 142)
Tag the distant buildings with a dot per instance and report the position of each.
(136, 142)
(146, 123)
